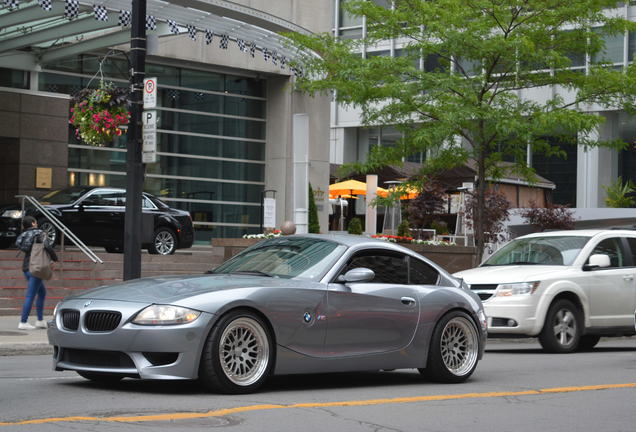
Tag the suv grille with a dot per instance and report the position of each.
(484, 291)
(70, 319)
(101, 321)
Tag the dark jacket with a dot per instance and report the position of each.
(25, 241)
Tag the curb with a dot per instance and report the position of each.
(25, 348)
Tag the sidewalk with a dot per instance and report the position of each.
(22, 342)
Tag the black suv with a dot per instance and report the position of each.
(96, 216)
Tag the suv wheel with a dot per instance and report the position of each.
(562, 329)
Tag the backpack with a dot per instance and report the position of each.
(40, 261)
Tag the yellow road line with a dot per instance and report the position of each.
(229, 411)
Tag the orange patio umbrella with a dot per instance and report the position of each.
(351, 187)
(409, 193)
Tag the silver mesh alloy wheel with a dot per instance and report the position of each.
(244, 351)
(459, 346)
(564, 326)
(164, 242)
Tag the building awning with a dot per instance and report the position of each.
(40, 31)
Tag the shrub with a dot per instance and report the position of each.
(403, 229)
(440, 227)
(552, 216)
(429, 202)
(496, 208)
(355, 226)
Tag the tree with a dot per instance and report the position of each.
(428, 203)
(618, 194)
(314, 224)
(552, 216)
(480, 57)
(495, 212)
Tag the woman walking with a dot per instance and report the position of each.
(35, 286)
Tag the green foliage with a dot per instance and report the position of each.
(617, 194)
(481, 56)
(355, 226)
(440, 227)
(403, 229)
(314, 224)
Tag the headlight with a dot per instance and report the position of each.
(13, 214)
(519, 288)
(165, 315)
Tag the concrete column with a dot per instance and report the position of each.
(300, 134)
(370, 226)
(598, 166)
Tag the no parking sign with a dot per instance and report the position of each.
(150, 93)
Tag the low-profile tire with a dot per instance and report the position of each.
(588, 342)
(50, 230)
(238, 354)
(98, 377)
(561, 332)
(454, 349)
(164, 242)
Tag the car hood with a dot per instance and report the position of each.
(508, 274)
(168, 289)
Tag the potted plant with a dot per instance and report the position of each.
(99, 114)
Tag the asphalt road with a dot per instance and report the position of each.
(516, 388)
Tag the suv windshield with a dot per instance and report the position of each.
(286, 258)
(64, 196)
(553, 250)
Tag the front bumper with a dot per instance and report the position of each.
(516, 317)
(147, 352)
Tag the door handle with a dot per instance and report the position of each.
(409, 301)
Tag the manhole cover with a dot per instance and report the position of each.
(12, 333)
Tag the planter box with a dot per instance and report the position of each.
(450, 258)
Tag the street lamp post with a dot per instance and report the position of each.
(134, 165)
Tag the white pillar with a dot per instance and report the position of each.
(370, 226)
(300, 138)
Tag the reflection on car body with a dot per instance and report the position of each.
(288, 305)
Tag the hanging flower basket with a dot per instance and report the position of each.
(99, 114)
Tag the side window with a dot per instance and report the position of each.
(421, 273)
(388, 268)
(632, 245)
(147, 204)
(105, 198)
(612, 248)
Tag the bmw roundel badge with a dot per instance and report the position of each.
(307, 317)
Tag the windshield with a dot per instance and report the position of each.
(561, 250)
(64, 196)
(286, 258)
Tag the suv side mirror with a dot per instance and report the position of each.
(597, 261)
(360, 274)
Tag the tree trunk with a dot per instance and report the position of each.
(478, 213)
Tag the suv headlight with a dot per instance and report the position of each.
(519, 288)
(165, 315)
(13, 214)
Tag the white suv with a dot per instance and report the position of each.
(569, 288)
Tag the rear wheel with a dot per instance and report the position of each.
(50, 230)
(238, 354)
(587, 342)
(454, 349)
(562, 329)
(164, 242)
(103, 378)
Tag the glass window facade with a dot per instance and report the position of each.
(561, 171)
(211, 142)
(14, 78)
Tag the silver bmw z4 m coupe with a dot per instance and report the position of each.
(288, 305)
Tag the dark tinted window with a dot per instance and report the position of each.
(388, 268)
(422, 273)
(632, 245)
(612, 248)
(105, 198)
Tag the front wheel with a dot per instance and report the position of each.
(562, 329)
(454, 349)
(164, 242)
(238, 354)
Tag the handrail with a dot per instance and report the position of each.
(61, 227)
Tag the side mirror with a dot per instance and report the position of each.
(597, 261)
(360, 274)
